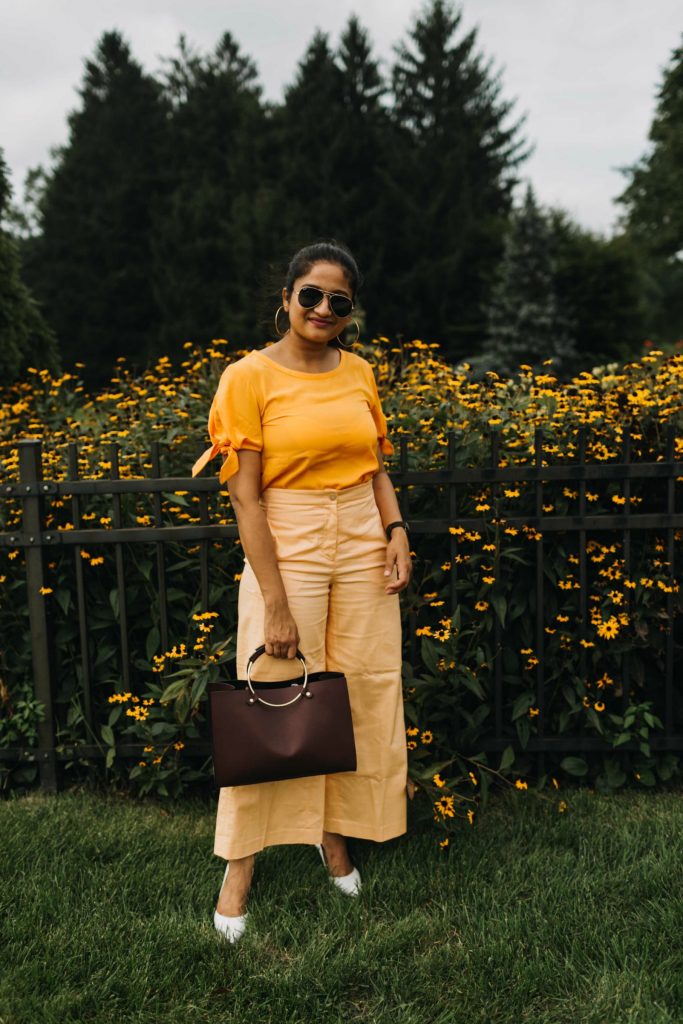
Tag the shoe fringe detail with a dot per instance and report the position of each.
(231, 928)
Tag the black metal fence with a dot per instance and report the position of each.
(37, 542)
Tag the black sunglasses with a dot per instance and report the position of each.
(310, 296)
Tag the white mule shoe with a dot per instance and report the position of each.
(349, 884)
(231, 928)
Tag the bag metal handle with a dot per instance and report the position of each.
(255, 697)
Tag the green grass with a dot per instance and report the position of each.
(106, 908)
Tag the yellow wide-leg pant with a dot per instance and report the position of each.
(330, 548)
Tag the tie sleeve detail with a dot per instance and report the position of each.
(234, 423)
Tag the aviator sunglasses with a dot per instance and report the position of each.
(309, 296)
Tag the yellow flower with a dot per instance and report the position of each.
(470, 816)
(438, 781)
(45, 590)
(444, 805)
(608, 630)
(599, 705)
(533, 712)
(444, 843)
(481, 606)
(520, 784)
(426, 737)
(562, 807)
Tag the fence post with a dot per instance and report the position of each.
(30, 479)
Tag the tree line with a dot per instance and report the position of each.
(171, 212)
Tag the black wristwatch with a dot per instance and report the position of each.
(399, 522)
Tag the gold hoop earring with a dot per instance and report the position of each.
(277, 329)
(354, 340)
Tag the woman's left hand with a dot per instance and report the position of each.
(398, 556)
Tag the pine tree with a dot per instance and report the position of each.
(525, 321)
(364, 131)
(309, 148)
(214, 226)
(653, 207)
(91, 264)
(328, 139)
(449, 182)
(25, 338)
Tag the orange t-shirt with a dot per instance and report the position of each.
(314, 430)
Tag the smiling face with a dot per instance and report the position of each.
(318, 324)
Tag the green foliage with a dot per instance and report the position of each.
(91, 264)
(526, 321)
(25, 338)
(598, 281)
(653, 208)
(211, 228)
(453, 165)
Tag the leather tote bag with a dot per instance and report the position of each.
(264, 732)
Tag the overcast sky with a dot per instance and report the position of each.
(584, 71)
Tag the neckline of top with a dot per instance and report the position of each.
(300, 373)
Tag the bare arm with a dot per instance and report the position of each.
(398, 548)
(281, 635)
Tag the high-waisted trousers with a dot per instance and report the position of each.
(331, 548)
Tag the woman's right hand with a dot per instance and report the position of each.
(280, 631)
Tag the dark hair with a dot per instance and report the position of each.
(327, 251)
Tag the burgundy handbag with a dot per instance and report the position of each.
(263, 732)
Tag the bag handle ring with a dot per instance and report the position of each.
(255, 697)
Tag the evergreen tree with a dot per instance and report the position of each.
(25, 338)
(598, 279)
(653, 207)
(449, 182)
(308, 147)
(328, 139)
(91, 264)
(525, 321)
(215, 225)
(364, 131)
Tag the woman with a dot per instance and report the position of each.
(326, 555)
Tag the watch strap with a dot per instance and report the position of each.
(390, 527)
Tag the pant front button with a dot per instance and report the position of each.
(333, 497)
